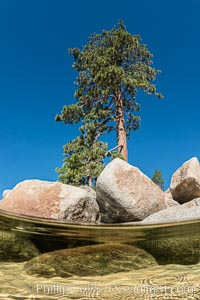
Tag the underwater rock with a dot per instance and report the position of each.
(185, 182)
(16, 248)
(92, 260)
(174, 249)
(125, 194)
(52, 200)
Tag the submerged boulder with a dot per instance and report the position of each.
(92, 260)
(125, 194)
(52, 200)
(14, 247)
(185, 182)
(173, 245)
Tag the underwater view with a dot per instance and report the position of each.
(44, 259)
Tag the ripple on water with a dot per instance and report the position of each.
(160, 282)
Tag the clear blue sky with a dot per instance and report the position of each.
(36, 80)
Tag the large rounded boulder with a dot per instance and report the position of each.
(92, 260)
(185, 182)
(52, 200)
(125, 194)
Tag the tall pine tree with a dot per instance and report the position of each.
(112, 67)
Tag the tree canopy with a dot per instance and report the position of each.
(112, 67)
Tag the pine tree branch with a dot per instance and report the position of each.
(111, 150)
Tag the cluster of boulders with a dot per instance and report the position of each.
(185, 190)
(123, 194)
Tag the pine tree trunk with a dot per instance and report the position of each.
(121, 133)
(90, 182)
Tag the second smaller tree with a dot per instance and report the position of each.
(85, 155)
(158, 179)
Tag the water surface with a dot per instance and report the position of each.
(166, 281)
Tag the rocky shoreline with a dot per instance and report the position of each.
(123, 194)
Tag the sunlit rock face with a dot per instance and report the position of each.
(125, 194)
(169, 199)
(52, 200)
(185, 182)
(185, 212)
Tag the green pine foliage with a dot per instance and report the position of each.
(112, 62)
(112, 67)
(84, 158)
(158, 179)
(82, 163)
